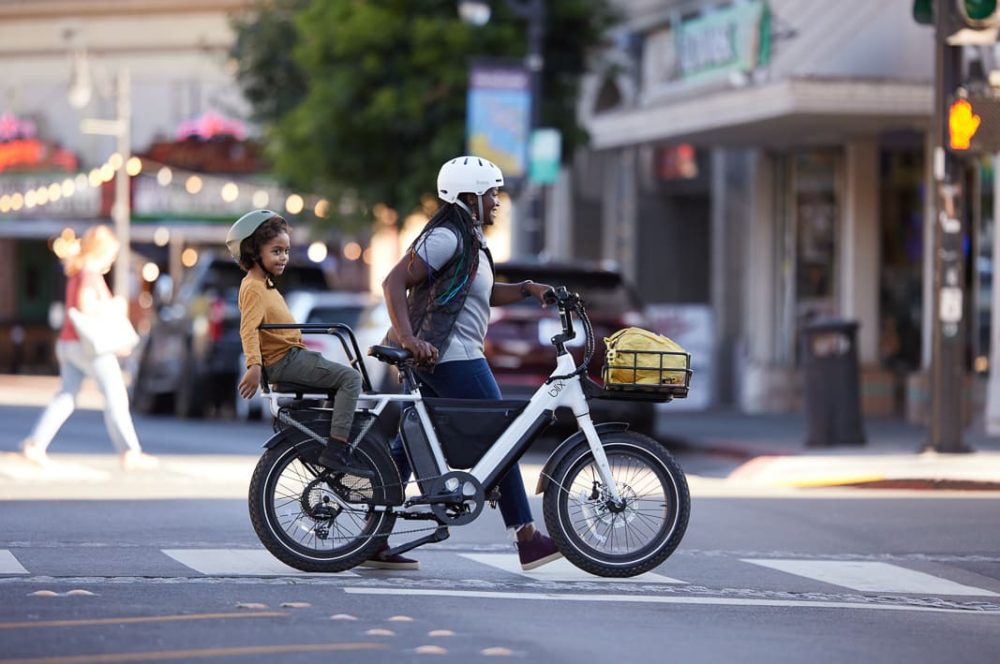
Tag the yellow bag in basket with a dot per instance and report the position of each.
(644, 368)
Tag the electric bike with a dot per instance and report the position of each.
(615, 501)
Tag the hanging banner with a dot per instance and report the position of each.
(498, 119)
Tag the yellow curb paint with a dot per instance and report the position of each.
(138, 619)
(430, 650)
(834, 480)
(162, 655)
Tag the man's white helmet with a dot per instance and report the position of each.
(467, 175)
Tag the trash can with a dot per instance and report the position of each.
(832, 384)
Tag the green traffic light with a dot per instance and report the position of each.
(978, 10)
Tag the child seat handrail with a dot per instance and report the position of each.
(353, 352)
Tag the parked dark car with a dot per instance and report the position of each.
(518, 347)
(190, 360)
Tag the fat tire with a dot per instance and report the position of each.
(372, 452)
(558, 521)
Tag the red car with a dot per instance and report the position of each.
(518, 347)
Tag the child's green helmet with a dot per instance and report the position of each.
(244, 228)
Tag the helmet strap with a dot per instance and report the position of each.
(460, 203)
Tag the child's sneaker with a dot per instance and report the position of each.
(537, 551)
(335, 457)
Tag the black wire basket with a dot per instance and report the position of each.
(647, 373)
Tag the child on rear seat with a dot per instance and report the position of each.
(259, 241)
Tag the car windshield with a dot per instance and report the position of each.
(601, 290)
(224, 277)
(348, 315)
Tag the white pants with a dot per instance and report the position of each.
(74, 366)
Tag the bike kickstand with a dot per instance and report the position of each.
(440, 534)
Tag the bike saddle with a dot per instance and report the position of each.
(390, 354)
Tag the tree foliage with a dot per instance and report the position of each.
(366, 98)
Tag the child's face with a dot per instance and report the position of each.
(274, 254)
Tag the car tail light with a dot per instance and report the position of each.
(216, 314)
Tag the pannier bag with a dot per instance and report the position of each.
(639, 358)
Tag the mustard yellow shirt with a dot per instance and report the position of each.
(260, 304)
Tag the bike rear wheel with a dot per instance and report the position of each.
(618, 540)
(315, 519)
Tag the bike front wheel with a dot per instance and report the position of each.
(318, 520)
(618, 540)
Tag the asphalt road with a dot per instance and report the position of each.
(829, 576)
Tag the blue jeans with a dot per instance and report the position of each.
(471, 379)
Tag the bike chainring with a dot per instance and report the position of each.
(465, 498)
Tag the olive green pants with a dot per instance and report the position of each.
(308, 367)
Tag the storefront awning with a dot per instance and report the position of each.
(773, 115)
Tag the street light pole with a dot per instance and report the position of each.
(121, 212)
(947, 379)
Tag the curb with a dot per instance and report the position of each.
(724, 448)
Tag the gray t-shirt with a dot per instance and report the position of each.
(466, 340)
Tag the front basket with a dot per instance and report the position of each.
(651, 375)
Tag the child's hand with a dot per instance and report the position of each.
(250, 382)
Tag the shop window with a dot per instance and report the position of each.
(816, 207)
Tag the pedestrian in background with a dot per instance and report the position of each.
(87, 292)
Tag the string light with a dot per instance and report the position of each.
(194, 184)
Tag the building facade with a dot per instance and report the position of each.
(768, 159)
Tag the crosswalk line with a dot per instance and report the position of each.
(870, 576)
(9, 564)
(558, 570)
(238, 562)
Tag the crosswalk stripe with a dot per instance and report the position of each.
(9, 564)
(558, 570)
(237, 562)
(870, 576)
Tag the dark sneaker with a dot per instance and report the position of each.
(537, 551)
(334, 456)
(382, 561)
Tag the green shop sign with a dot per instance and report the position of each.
(734, 39)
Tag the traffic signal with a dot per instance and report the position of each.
(973, 123)
(965, 23)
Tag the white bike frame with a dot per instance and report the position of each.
(554, 393)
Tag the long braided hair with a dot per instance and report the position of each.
(468, 261)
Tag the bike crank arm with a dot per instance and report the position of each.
(440, 534)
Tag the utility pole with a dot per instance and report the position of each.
(949, 327)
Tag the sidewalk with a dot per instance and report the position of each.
(773, 451)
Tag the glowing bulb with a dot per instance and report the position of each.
(150, 271)
(116, 160)
(16, 201)
(161, 236)
(68, 188)
(352, 251)
(294, 204)
(260, 199)
(193, 184)
(322, 208)
(230, 192)
(317, 252)
(189, 257)
(81, 181)
(107, 173)
(133, 166)
(94, 178)
(164, 176)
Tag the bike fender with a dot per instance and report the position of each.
(564, 447)
(319, 425)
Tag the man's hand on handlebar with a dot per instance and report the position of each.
(423, 352)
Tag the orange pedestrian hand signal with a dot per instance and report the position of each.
(962, 124)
